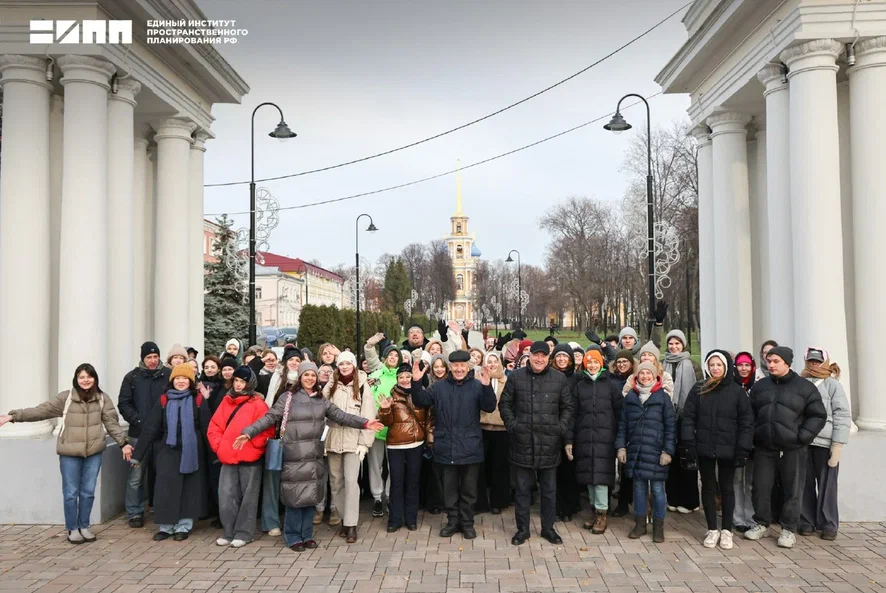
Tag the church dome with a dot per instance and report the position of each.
(475, 251)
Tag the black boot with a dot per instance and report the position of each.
(639, 529)
(620, 511)
(657, 531)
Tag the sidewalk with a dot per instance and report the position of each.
(123, 560)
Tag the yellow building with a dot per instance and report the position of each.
(464, 254)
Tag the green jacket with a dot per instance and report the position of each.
(382, 379)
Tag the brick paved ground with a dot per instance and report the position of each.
(123, 560)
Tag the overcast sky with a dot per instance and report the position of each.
(355, 78)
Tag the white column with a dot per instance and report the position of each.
(121, 229)
(83, 266)
(195, 241)
(760, 254)
(778, 283)
(56, 167)
(171, 284)
(819, 304)
(707, 299)
(150, 226)
(732, 231)
(140, 260)
(24, 244)
(867, 80)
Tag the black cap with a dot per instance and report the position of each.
(783, 352)
(460, 356)
(539, 347)
(149, 348)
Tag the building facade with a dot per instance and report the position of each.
(464, 254)
(210, 232)
(278, 297)
(320, 286)
(787, 100)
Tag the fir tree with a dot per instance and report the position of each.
(396, 290)
(225, 306)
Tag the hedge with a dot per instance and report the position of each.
(319, 324)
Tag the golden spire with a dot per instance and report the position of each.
(458, 189)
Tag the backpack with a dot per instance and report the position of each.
(61, 424)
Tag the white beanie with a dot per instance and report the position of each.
(346, 357)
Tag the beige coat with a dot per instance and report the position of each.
(85, 423)
(492, 420)
(343, 439)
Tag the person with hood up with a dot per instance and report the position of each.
(789, 416)
(86, 412)
(346, 447)
(302, 419)
(235, 348)
(176, 431)
(536, 407)
(241, 470)
(745, 375)
(620, 370)
(140, 391)
(820, 510)
(177, 355)
(568, 495)
(717, 437)
(494, 491)
(578, 356)
(458, 441)
(212, 381)
(682, 485)
(590, 439)
(646, 442)
(382, 378)
(407, 429)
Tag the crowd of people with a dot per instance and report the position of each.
(464, 429)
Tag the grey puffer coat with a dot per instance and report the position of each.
(303, 480)
(839, 423)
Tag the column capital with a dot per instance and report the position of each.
(27, 69)
(173, 127)
(869, 53)
(200, 138)
(702, 134)
(144, 132)
(127, 89)
(728, 122)
(85, 69)
(773, 78)
(818, 54)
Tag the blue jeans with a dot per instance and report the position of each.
(79, 475)
(659, 500)
(298, 525)
(183, 526)
(134, 499)
(270, 500)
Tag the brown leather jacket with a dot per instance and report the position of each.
(407, 423)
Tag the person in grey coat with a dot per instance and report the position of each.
(818, 510)
(303, 480)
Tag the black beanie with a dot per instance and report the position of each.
(243, 372)
(783, 352)
(229, 361)
(404, 368)
(149, 348)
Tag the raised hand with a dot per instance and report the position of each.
(418, 372)
(239, 442)
(375, 339)
(660, 311)
(454, 327)
(204, 391)
(469, 325)
(384, 401)
(482, 375)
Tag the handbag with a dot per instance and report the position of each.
(274, 448)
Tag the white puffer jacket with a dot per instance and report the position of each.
(343, 439)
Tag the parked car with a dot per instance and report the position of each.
(289, 335)
(268, 337)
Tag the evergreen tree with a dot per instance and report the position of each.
(225, 306)
(396, 290)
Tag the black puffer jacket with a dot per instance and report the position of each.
(789, 412)
(139, 393)
(718, 423)
(537, 411)
(592, 434)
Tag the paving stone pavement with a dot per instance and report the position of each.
(124, 560)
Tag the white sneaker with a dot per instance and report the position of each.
(711, 538)
(275, 532)
(88, 536)
(75, 538)
(238, 543)
(787, 539)
(756, 532)
(222, 542)
(672, 509)
(725, 540)
(684, 510)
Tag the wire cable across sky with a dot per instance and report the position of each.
(445, 173)
(470, 123)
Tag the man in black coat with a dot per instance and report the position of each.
(458, 439)
(789, 415)
(536, 407)
(139, 393)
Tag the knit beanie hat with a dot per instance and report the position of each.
(744, 357)
(290, 353)
(628, 331)
(646, 366)
(676, 333)
(624, 353)
(305, 367)
(306, 354)
(229, 361)
(243, 372)
(183, 370)
(404, 368)
(177, 350)
(552, 339)
(784, 353)
(593, 355)
(650, 348)
(562, 349)
(576, 347)
(525, 344)
(149, 348)
(233, 341)
(346, 357)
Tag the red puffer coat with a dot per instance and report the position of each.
(221, 433)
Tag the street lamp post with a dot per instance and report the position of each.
(519, 285)
(282, 133)
(371, 228)
(618, 125)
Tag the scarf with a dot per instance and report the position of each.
(593, 377)
(644, 392)
(684, 377)
(144, 367)
(180, 407)
(346, 380)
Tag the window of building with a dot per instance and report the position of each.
(458, 227)
(258, 293)
(459, 252)
(459, 281)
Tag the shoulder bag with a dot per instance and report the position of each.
(274, 448)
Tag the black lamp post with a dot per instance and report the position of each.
(282, 133)
(304, 267)
(618, 125)
(519, 285)
(371, 228)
